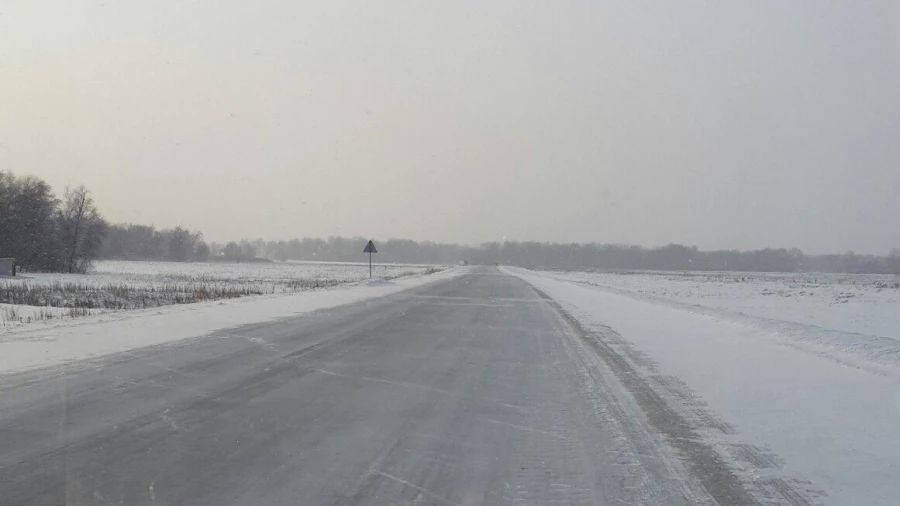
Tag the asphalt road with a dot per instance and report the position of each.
(473, 390)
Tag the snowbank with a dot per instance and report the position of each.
(55, 342)
(781, 415)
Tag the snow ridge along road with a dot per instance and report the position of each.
(475, 389)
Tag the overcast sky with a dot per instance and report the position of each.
(721, 124)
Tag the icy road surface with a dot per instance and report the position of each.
(475, 389)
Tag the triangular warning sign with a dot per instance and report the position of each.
(370, 248)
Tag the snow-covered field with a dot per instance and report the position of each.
(793, 379)
(860, 303)
(122, 285)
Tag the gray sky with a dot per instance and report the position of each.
(722, 124)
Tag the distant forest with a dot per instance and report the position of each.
(145, 242)
(46, 233)
(139, 242)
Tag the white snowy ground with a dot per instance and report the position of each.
(799, 386)
(859, 303)
(53, 342)
(268, 276)
(168, 279)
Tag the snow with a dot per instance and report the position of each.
(60, 341)
(855, 303)
(849, 318)
(121, 285)
(18, 314)
(828, 413)
(263, 274)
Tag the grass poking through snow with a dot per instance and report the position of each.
(117, 286)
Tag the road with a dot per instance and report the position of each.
(472, 390)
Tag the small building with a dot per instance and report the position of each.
(7, 266)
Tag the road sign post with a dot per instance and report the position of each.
(370, 248)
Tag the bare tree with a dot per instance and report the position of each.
(81, 229)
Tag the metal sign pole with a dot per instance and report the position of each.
(370, 248)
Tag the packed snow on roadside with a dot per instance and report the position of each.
(760, 366)
(55, 342)
(127, 285)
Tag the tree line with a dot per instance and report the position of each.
(569, 256)
(145, 242)
(46, 233)
(340, 249)
(141, 242)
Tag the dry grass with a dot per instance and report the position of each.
(122, 296)
(77, 295)
(118, 296)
